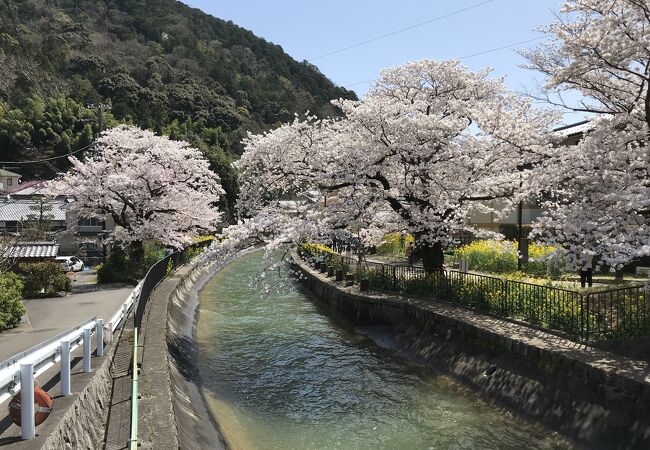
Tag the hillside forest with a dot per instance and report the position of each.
(73, 67)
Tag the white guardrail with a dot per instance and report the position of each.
(22, 368)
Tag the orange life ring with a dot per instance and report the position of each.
(41, 412)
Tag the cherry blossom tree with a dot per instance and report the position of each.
(151, 186)
(430, 143)
(598, 194)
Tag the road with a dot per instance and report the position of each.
(47, 317)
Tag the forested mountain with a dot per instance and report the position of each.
(158, 63)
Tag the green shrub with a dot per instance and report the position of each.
(190, 253)
(154, 251)
(11, 300)
(44, 278)
(118, 268)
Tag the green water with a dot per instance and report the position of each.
(280, 373)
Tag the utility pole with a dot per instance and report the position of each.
(522, 243)
(100, 107)
(520, 236)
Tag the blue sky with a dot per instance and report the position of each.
(308, 29)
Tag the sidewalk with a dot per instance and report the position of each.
(47, 317)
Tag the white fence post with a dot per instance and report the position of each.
(27, 424)
(99, 336)
(87, 346)
(65, 368)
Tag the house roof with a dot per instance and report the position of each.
(34, 250)
(19, 210)
(6, 173)
(574, 128)
(31, 188)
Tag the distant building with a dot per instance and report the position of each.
(9, 181)
(15, 213)
(29, 189)
(567, 135)
(32, 199)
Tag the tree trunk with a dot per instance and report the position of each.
(136, 253)
(433, 257)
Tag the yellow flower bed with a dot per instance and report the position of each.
(501, 257)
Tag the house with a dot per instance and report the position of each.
(569, 135)
(32, 202)
(291, 201)
(9, 181)
(15, 214)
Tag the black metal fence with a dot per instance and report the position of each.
(590, 316)
(158, 272)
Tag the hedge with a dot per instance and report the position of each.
(43, 279)
(11, 300)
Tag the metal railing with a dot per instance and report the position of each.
(590, 316)
(156, 274)
(133, 439)
(18, 372)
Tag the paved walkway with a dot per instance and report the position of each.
(47, 317)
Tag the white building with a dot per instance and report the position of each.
(9, 181)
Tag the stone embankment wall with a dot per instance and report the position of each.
(598, 398)
(82, 425)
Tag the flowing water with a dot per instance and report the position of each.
(280, 373)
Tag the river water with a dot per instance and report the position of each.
(281, 373)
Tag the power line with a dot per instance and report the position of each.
(35, 161)
(401, 30)
(503, 47)
(466, 56)
(32, 150)
(27, 150)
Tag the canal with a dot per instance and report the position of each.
(281, 373)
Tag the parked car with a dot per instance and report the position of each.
(70, 263)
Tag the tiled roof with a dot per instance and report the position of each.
(20, 210)
(34, 250)
(574, 128)
(6, 173)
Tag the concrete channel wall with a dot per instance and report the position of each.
(595, 397)
(172, 409)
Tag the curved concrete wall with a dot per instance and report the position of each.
(196, 428)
